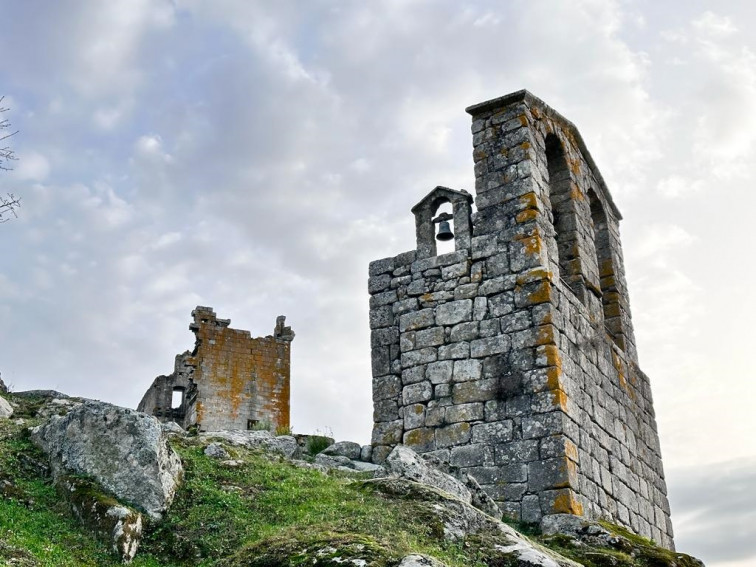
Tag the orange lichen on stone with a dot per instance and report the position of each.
(559, 399)
(526, 216)
(566, 503)
(546, 335)
(619, 366)
(534, 275)
(553, 375)
(525, 145)
(575, 193)
(523, 119)
(529, 201)
(541, 294)
(531, 244)
(548, 355)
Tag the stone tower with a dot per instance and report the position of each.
(230, 380)
(513, 357)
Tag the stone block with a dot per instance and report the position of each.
(416, 320)
(455, 270)
(501, 304)
(489, 328)
(429, 337)
(404, 306)
(454, 312)
(420, 440)
(516, 321)
(454, 434)
(377, 284)
(454, 351)
(489, 346)
(421, 392)
(480, 308)
(474, 391)
(531, 509)
(387, 433)
(467, 369)
(440, 372)
(381, 317)
(381, 299)
(552, 473)
(464, 412)
(386, 387)
(516, 452)
(441, 391)
(378, 267)
(494, 433)
(466, 291)
(416, 357)
(413, 375)
(560, 501)
(384, 337)
(385, 410)
(435, 416)
(464, 332)
(414, 416)
(470, 456)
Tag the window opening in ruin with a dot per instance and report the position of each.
(562, 209)
(177, 399)
(445, 246)
(251, 423)
(602, 241)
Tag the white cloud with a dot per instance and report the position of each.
(34, 167)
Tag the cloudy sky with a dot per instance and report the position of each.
(255, 156)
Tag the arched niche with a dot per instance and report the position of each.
(563, 213)
(425, 210)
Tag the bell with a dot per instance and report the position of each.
(444, 232)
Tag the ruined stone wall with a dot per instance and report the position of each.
(514, 358)
(230, 381)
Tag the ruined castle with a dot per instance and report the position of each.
(513, 357)
(229, 381)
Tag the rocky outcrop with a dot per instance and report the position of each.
(348, 449)
(117, 525)
(6, 410)
(3, 387)
(124, 451)
(403, 462)
(284, 445)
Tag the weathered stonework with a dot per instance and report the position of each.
(513, 357)
(229, 381)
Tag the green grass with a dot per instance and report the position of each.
(264, 513)
(220, 509)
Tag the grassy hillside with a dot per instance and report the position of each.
(263, 512)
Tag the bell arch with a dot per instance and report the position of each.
(424, 211)
(563, 217)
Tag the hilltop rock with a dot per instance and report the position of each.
(403, 462)
(118, 526)
(6, 410)
(348, 449)
(3, 387)
(124, 451)
(284, 445)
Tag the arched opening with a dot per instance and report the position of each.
(177, 398)
(603, 246)
(444, 246)
(562, 210)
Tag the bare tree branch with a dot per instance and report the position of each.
(6, 153)
(8, 206)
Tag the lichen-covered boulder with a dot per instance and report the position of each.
(6, 410)
(453, 520)
(417, 560)
(124, 451)
(318, 549)
(348, 449)
(403, 462)
(117, 525)
(284, 445)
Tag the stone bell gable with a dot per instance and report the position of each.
(513, 357)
